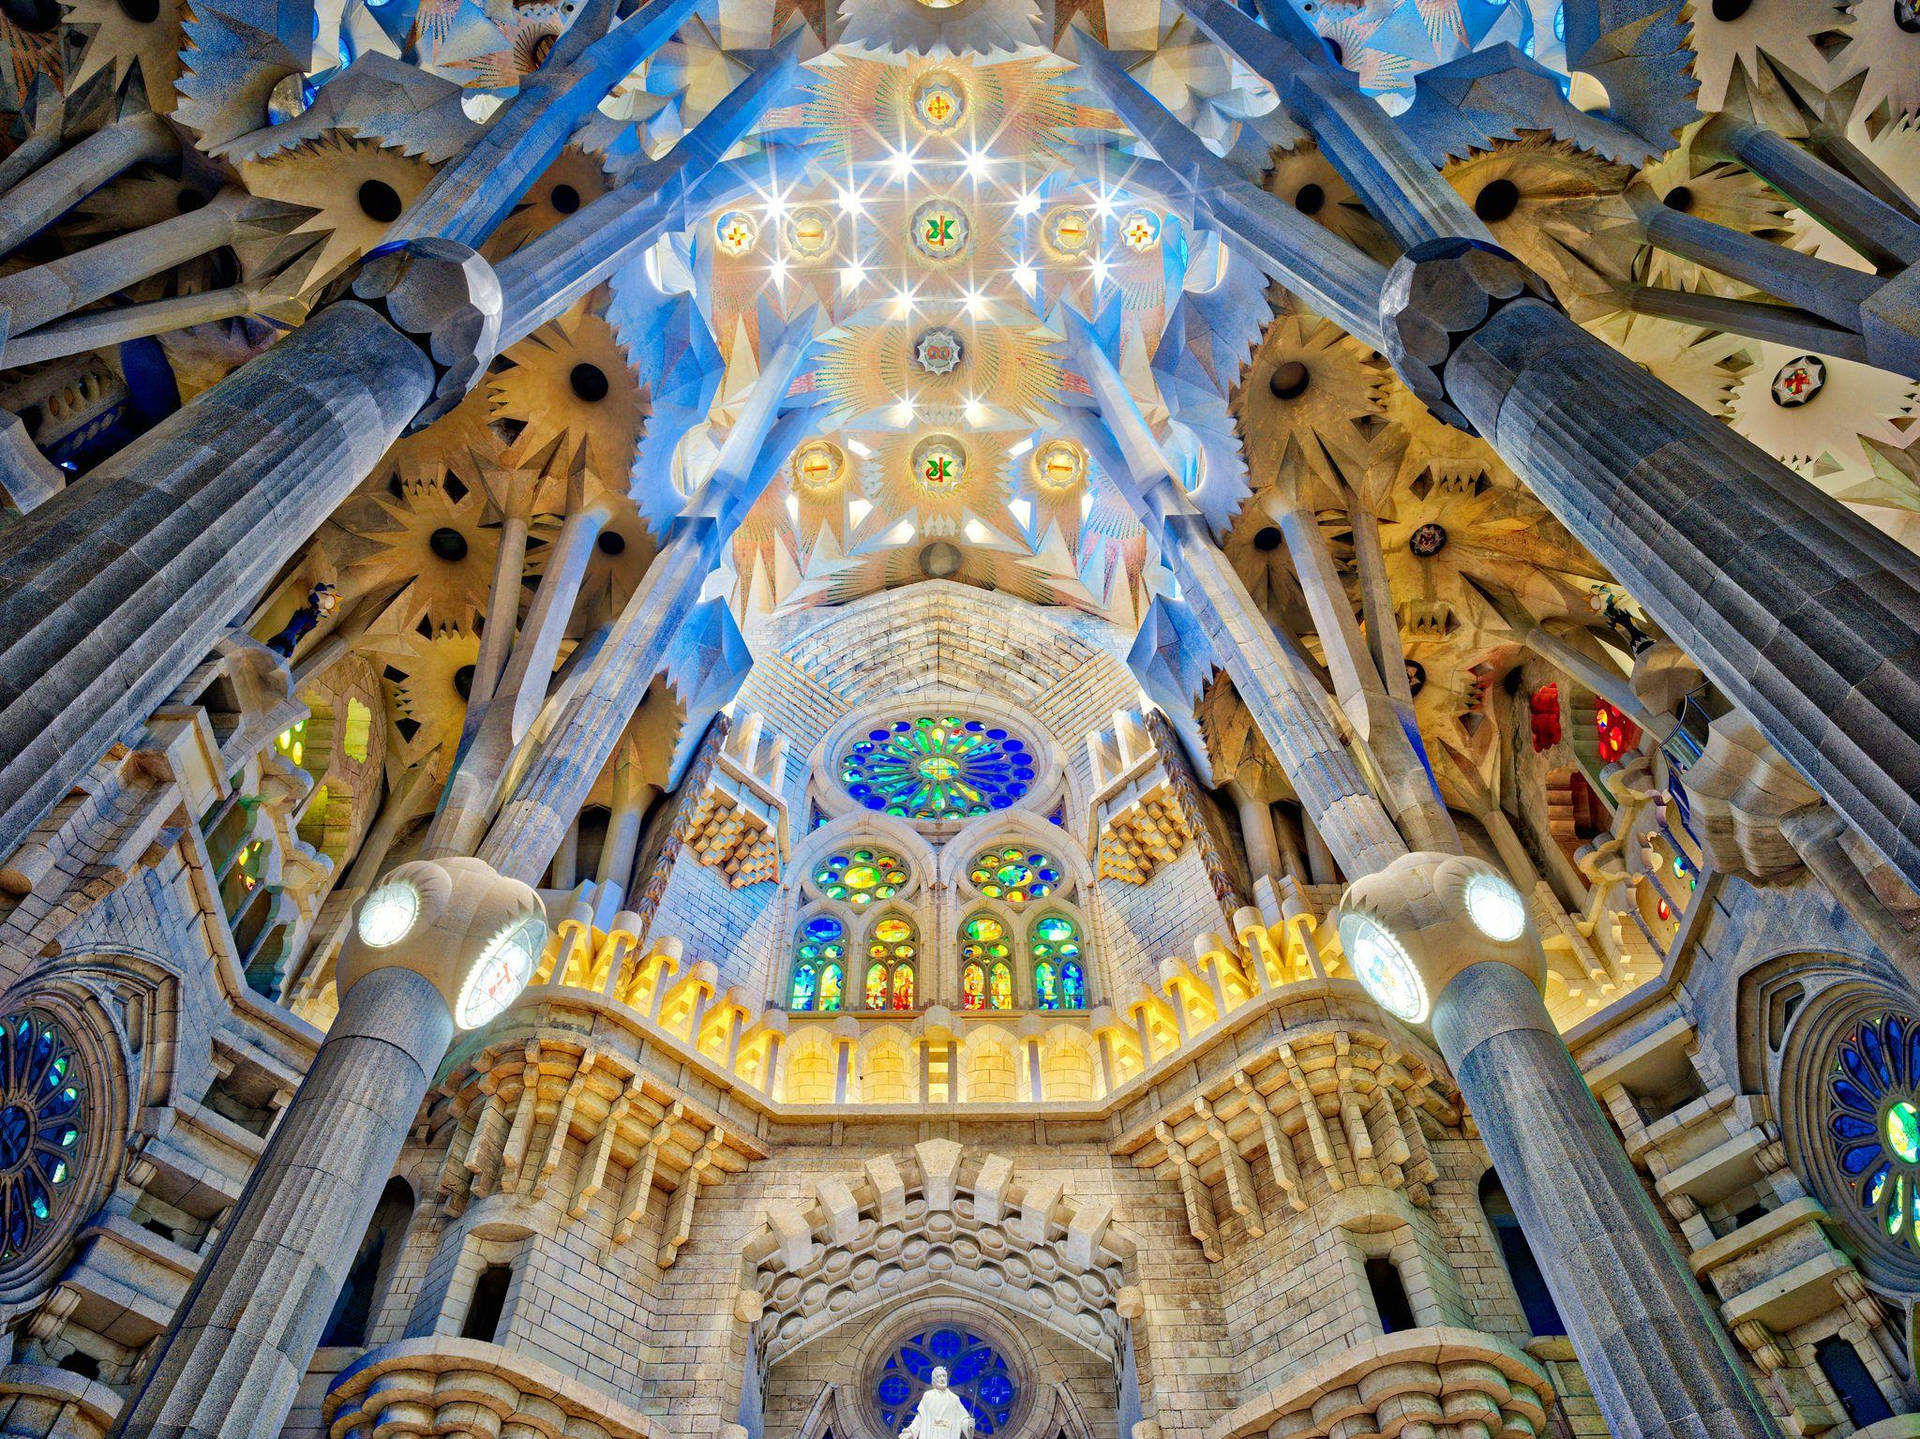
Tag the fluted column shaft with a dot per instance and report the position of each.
(228, 1367)
(1806, 616)
(1659, 1360)
(62, 286)
(548, 794)
(115, 588)
(1291, 711)
(64, 181)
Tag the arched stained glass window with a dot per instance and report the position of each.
(819, 965)
(976, 1373)
(41, 1118)
(1015, 874)
(986, 973)
(893, 949)
(1059, 980)
(860, 876)
(1873, 1122)
(937, 768)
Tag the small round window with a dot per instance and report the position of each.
(976, 1373)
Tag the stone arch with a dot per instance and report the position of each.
(990, 1065)
(116, 1047)
(937, 1212)
(1837, 1002)
(884, 1062)
(922, 858)
(1069, 1067)
(811, 1062)
(1033, 829)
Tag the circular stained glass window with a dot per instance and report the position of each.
(42, 1100)
(938, 768)
(1873, 1123)
(1015, 874)
(860, 876)
(977, 1376)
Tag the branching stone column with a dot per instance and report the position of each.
(115, 588)
(1805, 615)
(1446, 941)
(436, 947)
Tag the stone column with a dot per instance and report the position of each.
(62, 286)
(1886, 236)
(229, 1365)
(115, 588)
(1411, 199)
(1256, 829)
(1660, 1363)
(63, 182)
(1803, 613)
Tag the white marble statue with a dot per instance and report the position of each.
(940, 1414)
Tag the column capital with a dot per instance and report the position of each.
(472, 933)
(444, 297)
(1436, 298)
(1409, 929)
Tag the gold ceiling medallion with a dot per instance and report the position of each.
(1059, 465)
(939, 103)
(1140, 230)
(1069, 231)
(736, 233)
(939, 464)
(940, 230)
(810, 232)
(817, 467)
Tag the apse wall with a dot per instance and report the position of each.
(1055, 676)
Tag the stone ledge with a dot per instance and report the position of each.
(1441, 1375)
(443, 1385)
(39, 1399)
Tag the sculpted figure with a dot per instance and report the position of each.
(941, 1414)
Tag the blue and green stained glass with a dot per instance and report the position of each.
(938, 768)
(40, 1127)
(1059, 981)
(1014, 873)
(1873, 1123)
(819, 965)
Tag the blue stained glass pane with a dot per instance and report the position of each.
(945, 1344)
(1857, 1067)
(1849, 1095)
(997, 1389)
(1869, 1040)
(893, 1390)
(40, 1128)
(1856, 1160)
(1848, 1126)
(1897, 1048)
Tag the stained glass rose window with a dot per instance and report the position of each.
(935, 768)
(42, 1123)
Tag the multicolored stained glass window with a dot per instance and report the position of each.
(1873, 1121)
(1015, 874)
(819, 965)
(976, 1374)
(892, 949)
(1059, 980)
(41, 1118)
(938, 768)
(860, 876)
(986, 972)
(1614, 733)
